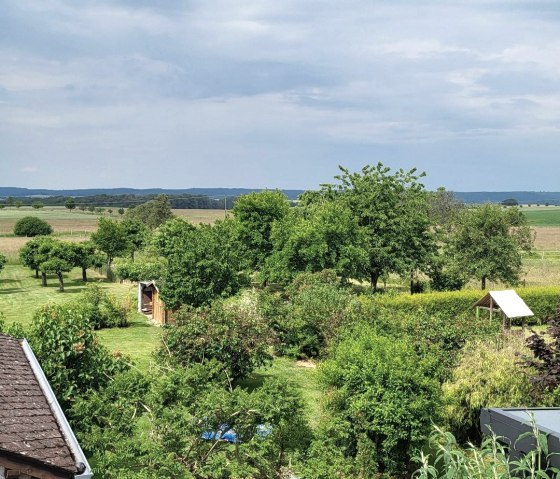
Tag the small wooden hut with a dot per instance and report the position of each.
(150, 303)
(507, 302)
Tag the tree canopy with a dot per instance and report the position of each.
(488, 243)
(32, 226)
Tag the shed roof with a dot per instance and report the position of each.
(29, 426)
(508, 301)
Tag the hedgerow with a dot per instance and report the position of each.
(542, 301)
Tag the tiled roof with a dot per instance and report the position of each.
(28, 426)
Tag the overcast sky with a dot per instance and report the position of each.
(277, 93)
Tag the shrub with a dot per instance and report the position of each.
(384, 390)
(313, 319)
(3, 261)
(541, 300)
(71, 356)
(487, 375)
(32, 226)
(101, 309)
(232, 334)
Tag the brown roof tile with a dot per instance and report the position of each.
(28, 426)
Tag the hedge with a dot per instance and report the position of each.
(543, 301)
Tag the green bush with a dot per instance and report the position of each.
(488, 374)
(32, 226)
(70, 354)
(386, 393)
(101, 309)
(313, 319)
(541, 300)
(231, 333)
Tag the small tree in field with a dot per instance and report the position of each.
(70, 204)
(37, 205)
(56, 257)
(32, 226)
(121, 211)
(86, 257)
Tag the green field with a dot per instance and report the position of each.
(543, 215)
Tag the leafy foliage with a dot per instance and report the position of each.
(70, 354)
(140, 270)
(255, 215)
(393, 211)
(111, 238)
(387, 395)
(3, 261)
(488, 243)
(32, 226)
(101, 309)
(233, 335)
(322, 236)
(153, 213)
(487, 375)
(204, 262)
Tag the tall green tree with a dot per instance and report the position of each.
(204, 262)
(111, 238)
(29, 255)
(137, 234)
(488, 243)
(70, 204)
(393, 211)
(320, 236)
(256, 214)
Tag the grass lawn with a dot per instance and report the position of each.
(300, 375)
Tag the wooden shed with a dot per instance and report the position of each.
(507, 302)
(150, 303)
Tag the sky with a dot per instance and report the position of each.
(277, 93)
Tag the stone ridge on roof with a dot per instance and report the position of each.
(28, 426)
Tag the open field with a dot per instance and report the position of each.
(543, 215)
(61, 219)
(201, 216)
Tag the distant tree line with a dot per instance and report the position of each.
(121, 201)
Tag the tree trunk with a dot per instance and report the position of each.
(60, 282)
(43, 278)
(84, 275)
(374, 278)
(484, 282)
(37, 274)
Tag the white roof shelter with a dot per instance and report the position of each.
(507, 302)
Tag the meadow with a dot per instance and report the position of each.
(543, 215)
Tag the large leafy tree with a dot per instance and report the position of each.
(256, 214)
(488, 243)
(393, 211)
(86, 256)
(32, 226)
(325, 235)
(204, 262)
(56, 257)
(137, 234)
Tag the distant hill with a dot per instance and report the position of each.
(523, 197)
(6, 191)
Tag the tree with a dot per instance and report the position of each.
(85, 256)
(136, 233)
(70, 204)
(232, 336)
(393, 211)
(488, 243)
(28, 254)
(204, 262)
(153, 213)
(32, 226)
(510, 202)
(121, 211)
(110, 238)
(3, 261)
(255, 214)
(320, 236)
(37, 205)
(56, 257)
(19, 204)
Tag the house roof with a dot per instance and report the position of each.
(507, 301)
(30, 424)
